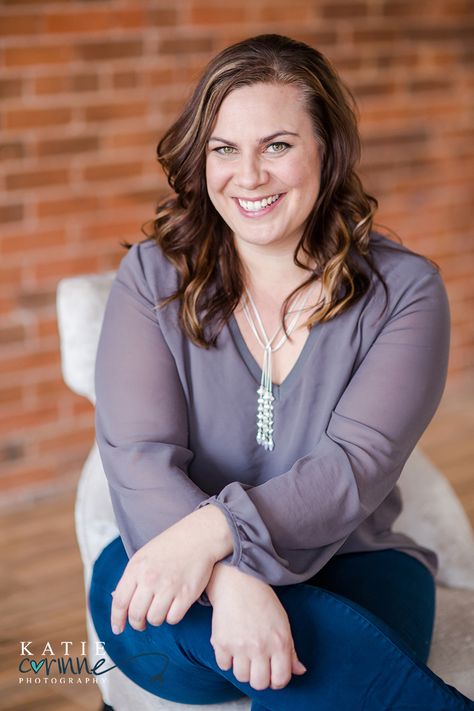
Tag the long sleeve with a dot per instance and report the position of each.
(141, 418)
(287, 528)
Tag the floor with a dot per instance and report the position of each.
(41, 580)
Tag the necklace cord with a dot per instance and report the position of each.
(265, 391)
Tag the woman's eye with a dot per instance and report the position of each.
(225, 150)
(278, 147)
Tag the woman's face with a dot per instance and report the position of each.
(263, 164)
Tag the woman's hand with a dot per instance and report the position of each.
(167, 575)
(250, 630)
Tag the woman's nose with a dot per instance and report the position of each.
(250, 172)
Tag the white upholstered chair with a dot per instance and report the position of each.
(432, 515)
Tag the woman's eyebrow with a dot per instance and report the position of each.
(262, 140)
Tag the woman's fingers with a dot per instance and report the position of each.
(120, 601)
(260, 673)
(138, 608)
(177, 610)
(280, 670)
(142, 602)
(297, 667)
(158, 610)
(242, 668)
(224, 660)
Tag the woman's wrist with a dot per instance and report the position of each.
(220, 574)
(220, 542)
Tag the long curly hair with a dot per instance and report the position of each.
(197, 241)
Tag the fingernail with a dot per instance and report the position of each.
(116, 629)
(303, 667)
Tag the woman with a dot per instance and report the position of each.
(266, 365)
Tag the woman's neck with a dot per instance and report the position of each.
(270, 275)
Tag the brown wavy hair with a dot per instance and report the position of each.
(198, 242)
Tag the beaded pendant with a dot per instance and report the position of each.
(265, 403)
(265, 396)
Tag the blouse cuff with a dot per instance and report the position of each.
(234, 557)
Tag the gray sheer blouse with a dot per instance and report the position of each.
(176, 423)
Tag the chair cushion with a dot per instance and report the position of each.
(434, 517)
(452, 649)
(80, 305)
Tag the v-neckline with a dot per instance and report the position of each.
(278, 389)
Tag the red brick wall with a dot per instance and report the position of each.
(88, 87)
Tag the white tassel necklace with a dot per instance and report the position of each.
(265, 392)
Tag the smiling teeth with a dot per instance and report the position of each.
(258, 204)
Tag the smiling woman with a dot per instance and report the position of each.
(254, 480)
(222, 159)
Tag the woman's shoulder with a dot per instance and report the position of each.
(400, 266)
(413, 281)
(144, 268)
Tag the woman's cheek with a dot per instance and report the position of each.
(217, 174)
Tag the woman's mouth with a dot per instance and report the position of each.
(257, 208)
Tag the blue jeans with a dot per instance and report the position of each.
(362, 626)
